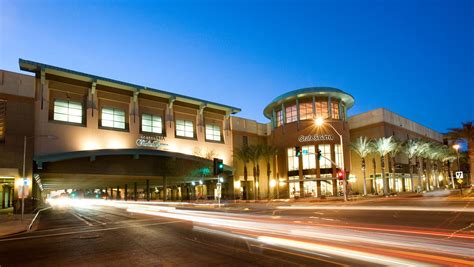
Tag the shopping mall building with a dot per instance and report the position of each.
(77, 132)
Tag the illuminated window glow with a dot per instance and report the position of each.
(213, 132)
(306, 111)
(113, 118)
(68, 111)
(293, 162)
(185, 128)
(152, 124)
(291, 115)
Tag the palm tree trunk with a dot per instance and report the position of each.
(255, 182)
(268, 180)
(374, 181)
(411, 175)
(420, 177)
(246, 187)
(365, 180)
(384, 181)
(258, 180)
(394, 182)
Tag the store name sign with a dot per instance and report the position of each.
(151, 141)
(315, 137)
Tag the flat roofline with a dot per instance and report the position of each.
(36, 67)
(386, 110)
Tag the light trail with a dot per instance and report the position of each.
(376, 208)
(368, 244)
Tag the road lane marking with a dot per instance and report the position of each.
(87, 231)
(89, 218)
(81, 219)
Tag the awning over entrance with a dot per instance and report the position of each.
(117, 167)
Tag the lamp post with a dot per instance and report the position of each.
(319, 122)
(456, 147)
(52, 137)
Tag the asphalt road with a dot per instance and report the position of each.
(261, 235)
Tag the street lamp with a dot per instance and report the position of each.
(51, 137)
(456, 147)
(320, 122)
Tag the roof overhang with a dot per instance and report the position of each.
(38, 68)
(309, 92)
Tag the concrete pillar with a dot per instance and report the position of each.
(147, 190)
(135, 194)
(164, 188)
(4, 192)
(118, 193)
(111, 193)
(11, 196)
(126, 192)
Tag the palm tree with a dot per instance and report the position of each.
(397, 148)
(383, 146)
(447, 157)
(411, 148)
(243, 155)
(363, 147)
(254, 156)
(466, 134)
(420, 154)
(268, 153)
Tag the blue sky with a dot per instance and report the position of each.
(414, 58)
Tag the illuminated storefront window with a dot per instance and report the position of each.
(279, 118)
(68, 111)
(113, 118)
(309, 157)
(338, 154)
(325, 163)
(291, 115)
(294, 186)
(213, 132)
(326, 185)
(335, 110)
(292, 160)
(306, 111)
(185, 128)
(152, 124)
(322, 109)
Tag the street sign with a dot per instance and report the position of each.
(459, 175)
(459, 181)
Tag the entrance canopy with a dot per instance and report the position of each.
(106, 168)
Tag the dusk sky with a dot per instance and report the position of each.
(414, 58)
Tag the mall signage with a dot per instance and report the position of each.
(315, 137)
(151, 141)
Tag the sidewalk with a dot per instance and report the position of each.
(11, 223)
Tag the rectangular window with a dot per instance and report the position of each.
(293, 161)
(245, 140)
(279, 118)
(306, 111)
(322, 109)
(309, 157)
(113, 118)
(68, 111)
(152, 124)
(338, 153)
(291, 115)
(213, 132)
(335, 110)
(185, 128)
(3, 118)
(324, 163)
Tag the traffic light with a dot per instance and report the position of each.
(218, 166)
(340, 174)
(297, 151)
(319, 154)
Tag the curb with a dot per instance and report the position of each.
(34, 218)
